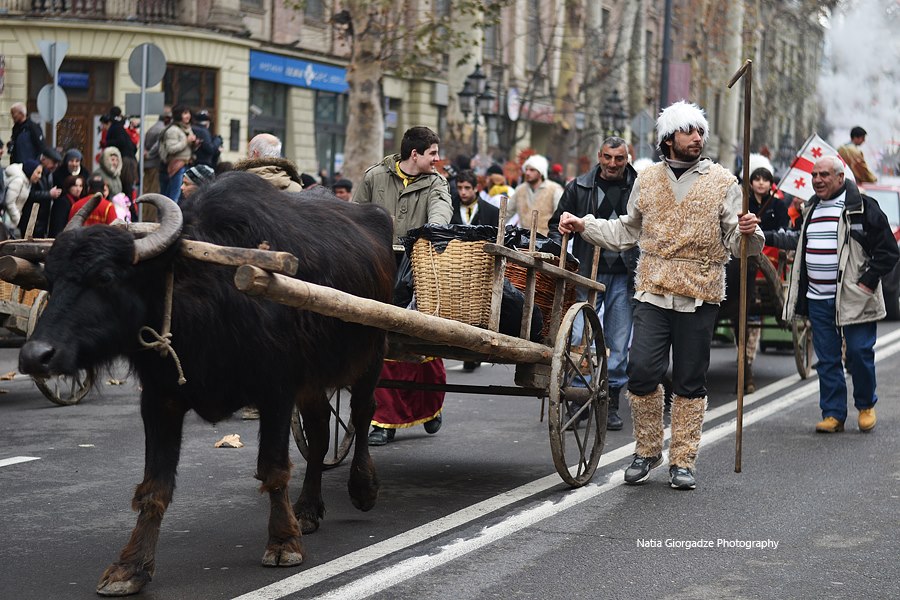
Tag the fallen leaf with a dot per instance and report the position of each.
(2, 391)
(8, 377)
(230, 441)
(115, 381)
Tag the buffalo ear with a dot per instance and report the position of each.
(170, 223)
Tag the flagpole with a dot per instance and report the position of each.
(746, 71)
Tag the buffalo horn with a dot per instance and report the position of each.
(78, 219)
(170, 223)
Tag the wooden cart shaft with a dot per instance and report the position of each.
(347, 307)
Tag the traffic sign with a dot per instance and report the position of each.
(53, 54)
(155, 61)
(52, 106)
(155, 101)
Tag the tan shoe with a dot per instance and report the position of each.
(867, 419)
(830, 425)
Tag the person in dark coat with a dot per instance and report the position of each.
(208, 147)
(604, 192)
(27, 139)
(43, 194)
(472, 210)
(117, 137)
(71, 165)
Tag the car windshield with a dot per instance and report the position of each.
(889, 201)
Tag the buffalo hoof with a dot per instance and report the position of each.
(309, 514)
(121, 580)
(307, 525)
(363, 492)
(283, 555)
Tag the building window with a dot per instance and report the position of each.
(252, 5)
(490, 42)
(194, 87)
(314, 10)
(532, 53)
(331, 129)
(268, 108)
(392, 108)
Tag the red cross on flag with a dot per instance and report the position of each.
(798, 179)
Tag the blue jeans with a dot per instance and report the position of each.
(617, 302)
(860, 341)
(172, 188)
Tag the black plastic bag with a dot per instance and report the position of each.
(441, 235)
(511, 313)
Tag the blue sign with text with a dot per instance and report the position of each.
(296, 72)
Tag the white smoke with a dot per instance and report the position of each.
(859, 82)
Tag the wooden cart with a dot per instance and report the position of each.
(568, 368)
(771, 285)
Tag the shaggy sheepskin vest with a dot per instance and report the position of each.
(682, 251)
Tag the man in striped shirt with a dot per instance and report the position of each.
(844, 248)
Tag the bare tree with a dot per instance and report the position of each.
(404, 42)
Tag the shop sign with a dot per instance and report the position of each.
(296, 72)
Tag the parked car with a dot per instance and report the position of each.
(887, 194)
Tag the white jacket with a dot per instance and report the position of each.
(18, 186)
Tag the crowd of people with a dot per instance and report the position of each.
(667, 233)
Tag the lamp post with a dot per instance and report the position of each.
(613, 116)
(476, 98)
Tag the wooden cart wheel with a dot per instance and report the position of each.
(64, 390)
(801, 333)
(341, 430)
(578, 378)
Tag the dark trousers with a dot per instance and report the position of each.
(688, 336)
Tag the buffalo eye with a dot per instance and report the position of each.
(104, 278)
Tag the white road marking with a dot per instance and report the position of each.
(17, 459)
(397, 573)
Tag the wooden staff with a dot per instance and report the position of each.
(746, 72)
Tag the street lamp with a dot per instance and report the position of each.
(613, 115)
(476, 98)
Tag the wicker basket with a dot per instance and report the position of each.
(453, 284)
(14, 293)
(544, 289)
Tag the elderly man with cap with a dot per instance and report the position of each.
(536, 193)
(684, 216)
(194, 177)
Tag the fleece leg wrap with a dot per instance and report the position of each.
(687, 425)
(647, 416)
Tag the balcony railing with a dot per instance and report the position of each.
(153, 11)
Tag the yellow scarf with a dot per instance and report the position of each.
(407, 179)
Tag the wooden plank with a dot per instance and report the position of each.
(32, 250)
(353, 309)
(277, 262)
(499, 273)
(559, 293)
(530, 283)
(23, 273)
(539, 265)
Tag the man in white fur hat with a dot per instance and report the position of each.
(684, 215)
(537, 193)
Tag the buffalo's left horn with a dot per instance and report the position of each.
(170, 223)
(78, 218)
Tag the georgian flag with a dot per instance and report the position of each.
(798, 179)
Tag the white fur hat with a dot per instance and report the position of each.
(538, 163)
(758, 160)
(641, 164)
(681, 116)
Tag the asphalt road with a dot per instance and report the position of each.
(476, 511)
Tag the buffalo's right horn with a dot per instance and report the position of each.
(170, 223)
(78, 218)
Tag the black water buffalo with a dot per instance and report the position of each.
(235, 350)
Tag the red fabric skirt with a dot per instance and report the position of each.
(396, 409)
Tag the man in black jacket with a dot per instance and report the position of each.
(27, 139)
(472, 210)
(603, 192)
